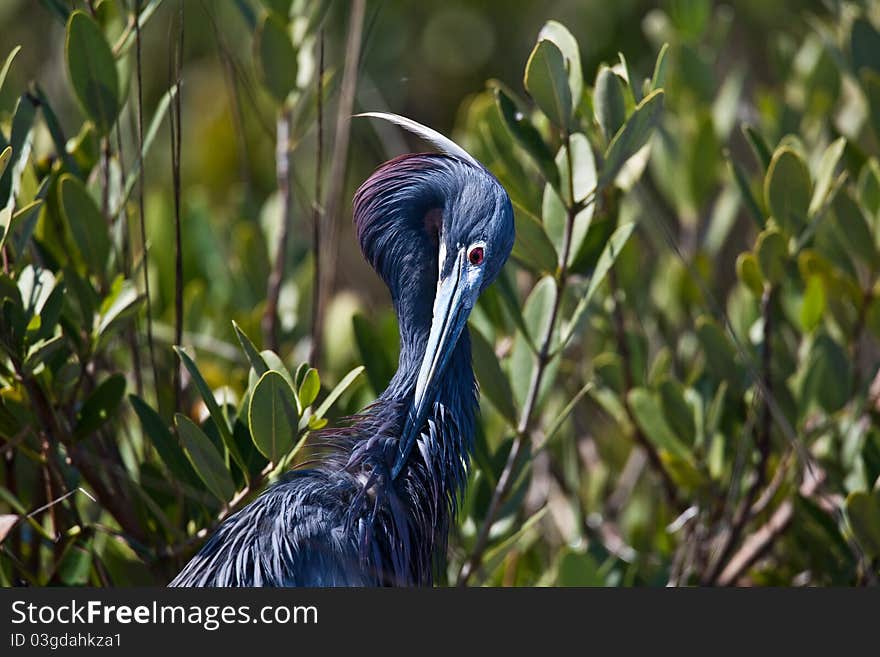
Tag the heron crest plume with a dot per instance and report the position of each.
(375, 504)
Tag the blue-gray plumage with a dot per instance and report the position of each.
(376, 508)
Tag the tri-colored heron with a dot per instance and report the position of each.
(375, 510)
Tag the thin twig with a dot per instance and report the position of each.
(337, 170)
(317, 209)
(524, 427)
(762, 442)
(623, 348)
(757, 544)
(143, 228)
(276, 275)
(175, 122)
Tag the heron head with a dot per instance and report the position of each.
(468, 215)
(475, 238)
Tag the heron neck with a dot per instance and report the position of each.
(456, 383)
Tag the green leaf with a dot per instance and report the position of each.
(27, 214)
(852, 228)
(609, 105)
(863, 513)
(719, 353)
(42, 349)
(749, 273)
(659, 78)
(340, 388)
(578, 569)
(310, 387)
(20, 140)
(583, 165)
(678, 413)
(53, 125)
(373, 352)
(100, 406)
(536, 315)
(123, 302)
(533, 249)
(546, 80)
(609, 254)
(281, 8)
(272, 416)
(163, 440)
(527, 136)
(91, 70)
(759, 145)
(493, 382)
(538, 308)
(87, 225)
(745, 191)
(5, 156)
(495, 554)
(772, 253)
(205, 459)
(871, 84)
(649, 416)
(250, 351)
(787, 190)
(825, 174)
(568, 46)
(275, 58)
(813, 305)
(562, 416)
(828, 378)
(213, 409)
(630, 139)
(7, 65)
(864, 46)
(869, 191)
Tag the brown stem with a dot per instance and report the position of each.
(524, 427)
(276, 276)
(314, 351)
(762, 442)
(141, 215)
(757, 544)
(640, 438)
(176, 137)
(82, 460)
(337, 171)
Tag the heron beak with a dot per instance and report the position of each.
(452, 304)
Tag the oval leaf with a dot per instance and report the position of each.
(92, 70)
(272, 416)
(86, 224)
(557, 33)
(275, 58)
(634, 134)
(533, 249)
(546, 80)
(493, 382)
(163, 440)
(787, 190)
(310, 387)
(863, 513)
(609, 106)
(205, 459)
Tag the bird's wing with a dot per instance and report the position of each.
(440, 142)
(289, 536)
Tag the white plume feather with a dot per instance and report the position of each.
(441, 143)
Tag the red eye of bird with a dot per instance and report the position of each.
(476, 256)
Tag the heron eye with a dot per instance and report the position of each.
(476, 256)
